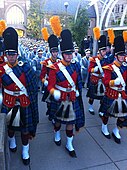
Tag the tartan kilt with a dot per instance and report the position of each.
(105, 105)
(91, 93)
(77, 107)
(27, 125)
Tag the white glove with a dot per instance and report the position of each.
(117, 81)
(34, 68)
(57, 94)
(46, 83)
(77, 93)
(96, 69)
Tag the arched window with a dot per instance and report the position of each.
(15, 15)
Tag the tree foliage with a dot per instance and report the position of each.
(79, 28)
(34, 19)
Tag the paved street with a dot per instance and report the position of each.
(94, 151)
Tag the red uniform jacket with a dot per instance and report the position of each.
(9, 100)
(109, 79)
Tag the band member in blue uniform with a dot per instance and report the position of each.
(96, 86)
(114, 102)
(65, 84)
(19, 84)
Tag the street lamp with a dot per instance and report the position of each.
(66, 6)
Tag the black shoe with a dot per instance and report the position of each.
(58, 143)
(117, 140)
(91, 112)
(13, 149)
(26, 161)
(71, 153)
(107, 136)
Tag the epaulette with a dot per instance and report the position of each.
(107, 67)
(91, 59)
(43, 63)
(51, 66)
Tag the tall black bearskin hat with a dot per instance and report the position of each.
(66, 43)
(53, 43)
(102, 42)
(119, 45)
(10, 37)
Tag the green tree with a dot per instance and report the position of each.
(35, 19)
(79, 28)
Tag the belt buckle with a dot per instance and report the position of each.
(16, 93)
(68, 89)
(119, 88)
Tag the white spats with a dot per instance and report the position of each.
(57, 136)
(25, 151)
(69, 145)
(116, 132)
(12, 142)
(91, 108)
(105, 129)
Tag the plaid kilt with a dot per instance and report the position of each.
(92, 92)
(26, 125)
(105, 105)
(78, 110)
(30, 115)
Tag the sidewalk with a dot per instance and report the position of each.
(94, 151)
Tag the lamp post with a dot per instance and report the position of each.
(66, 6)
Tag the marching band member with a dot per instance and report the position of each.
(53, 45)
(96, 86)
(65, 84)
(114, 102)
(19, 95)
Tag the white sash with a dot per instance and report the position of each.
(99, 66)
(49, 62)
(9, 71)
(117, 71)
(67, 75)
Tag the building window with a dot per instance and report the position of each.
(15, 15)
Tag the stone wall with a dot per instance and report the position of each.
(4, 151)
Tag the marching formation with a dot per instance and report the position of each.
(57, 70)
